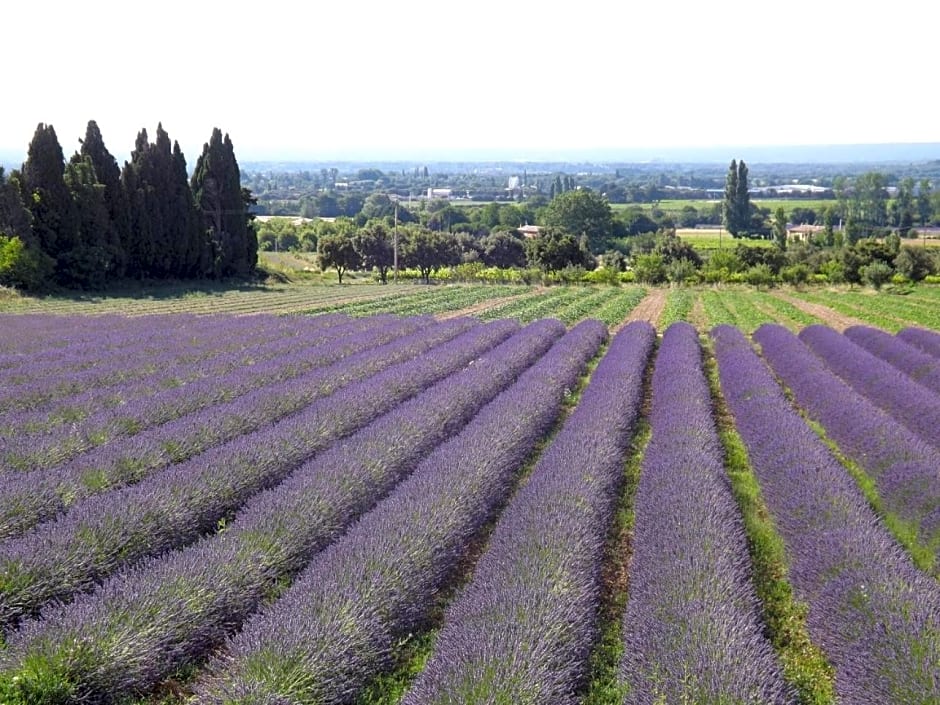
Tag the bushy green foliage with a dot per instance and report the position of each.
(23, 267)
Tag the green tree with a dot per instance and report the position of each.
(22, 266)
(742, 200)
(108, 174)
(429, 250)
(555, 249)
(376, 248)
(339, 252)
(166, 238)
(876, 274)
(216, 187)
(503, 249)
(46, 196)
(96, 255)
(582, 212)
(914, 263)
(15, 218)
(780, 229)
(736, 207)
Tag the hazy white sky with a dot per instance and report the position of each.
(415, 78)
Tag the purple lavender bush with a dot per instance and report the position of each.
(875, 616)
(175, 506)
(27, 499)
(920, 366)
(153, 618)
(692, 628)
(926, 340)
(903, 467)
(523, 629)
(908, 402)
(338, 624)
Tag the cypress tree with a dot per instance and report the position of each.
(164, 240)
(216, 187)
(108, 174)
(93, 258)
(138, 245)
(729, 209)
(46, 195)
(742, 199)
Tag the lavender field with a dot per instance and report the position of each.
(269, 510)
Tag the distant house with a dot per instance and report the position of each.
(444, 193)
(529, 231)
(803, 232)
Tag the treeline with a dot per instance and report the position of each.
(87, 223)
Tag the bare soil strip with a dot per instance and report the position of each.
(649, 309)
(697, 316)
(831, 318)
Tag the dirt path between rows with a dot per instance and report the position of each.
(478, 308)
(649, 309)
(831, 318)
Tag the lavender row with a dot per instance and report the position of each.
(42, 337)
(224, 380)
(338, 624)
(124, 338)
(168, 374)
(145, 622)
(908, 402)
(876, 617)
(138, 360)
(175, 506)
(903, 467)
(692, 630)
(27, 499)
(524, 627)
(920, 366)
(926, 340)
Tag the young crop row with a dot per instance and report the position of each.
(301, 541)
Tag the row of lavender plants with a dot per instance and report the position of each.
(224, 381)
(149, 620)
(27, 499)
(44, 382)
(920, 366)
(523, 628)
(903, 467)
(168, 373)
(874, 614)
(926, 340)
(339, 623)
(35, 338)
(176, 505)
(904, 399)
(692, 628)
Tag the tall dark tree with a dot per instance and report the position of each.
(15, 218)
(736, 206)
(216, 186)
(165, 238)
(108, 174)
(46, 195)
(93, 259)
(742, 199)
(729, 211)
